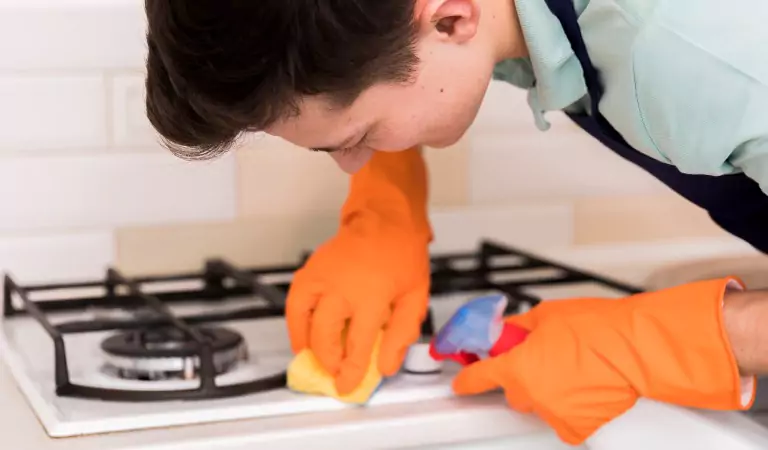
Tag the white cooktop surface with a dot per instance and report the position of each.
(434, 417)
(29, 351)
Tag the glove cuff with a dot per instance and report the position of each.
(747, 384)
(687, 359)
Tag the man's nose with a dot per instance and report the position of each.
(352, 161)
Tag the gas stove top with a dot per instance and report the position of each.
(131, 353)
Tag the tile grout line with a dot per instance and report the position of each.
(109, 111)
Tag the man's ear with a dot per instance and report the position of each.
(453, 20)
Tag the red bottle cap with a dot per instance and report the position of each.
(511, 336)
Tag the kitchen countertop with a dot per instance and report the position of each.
(481, 422)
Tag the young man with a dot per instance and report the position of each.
(678, 88)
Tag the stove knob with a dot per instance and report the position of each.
(418, 360)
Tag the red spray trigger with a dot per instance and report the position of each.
(477, 328)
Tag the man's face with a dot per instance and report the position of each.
(435, 109)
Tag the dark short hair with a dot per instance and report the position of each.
(219, 68)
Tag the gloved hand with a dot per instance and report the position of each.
(373, 275)
(586, 361)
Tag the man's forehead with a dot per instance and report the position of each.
(308, 114)
(317, 123)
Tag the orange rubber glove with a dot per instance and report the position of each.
(373, 275)
(586, 361)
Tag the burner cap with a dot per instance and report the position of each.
(169, 353)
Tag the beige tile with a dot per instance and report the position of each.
(505, 109)
(252, 242)
(515, 166)
(641, 217)
(275, 177)
(274, 240)
(448, 175)
(751, 269)
(530, 226)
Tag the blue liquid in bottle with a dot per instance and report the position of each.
(474, 328)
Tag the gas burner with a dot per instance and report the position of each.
(166, 353)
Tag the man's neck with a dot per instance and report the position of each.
(506, 29)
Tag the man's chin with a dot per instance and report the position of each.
(443, 143)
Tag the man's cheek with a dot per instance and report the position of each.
(400, 139)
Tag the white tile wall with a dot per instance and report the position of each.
(72, 35)
(509, 168)
(512, 160)
(43, 258)
(131, 126)
(52, 112)
(76, 152)
(113, 190)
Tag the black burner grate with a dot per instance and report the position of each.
(451, 273)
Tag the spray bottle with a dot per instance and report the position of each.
(477, 330)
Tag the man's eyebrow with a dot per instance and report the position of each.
(344, 144)
(323, 149)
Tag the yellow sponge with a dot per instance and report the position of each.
(307, 376)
